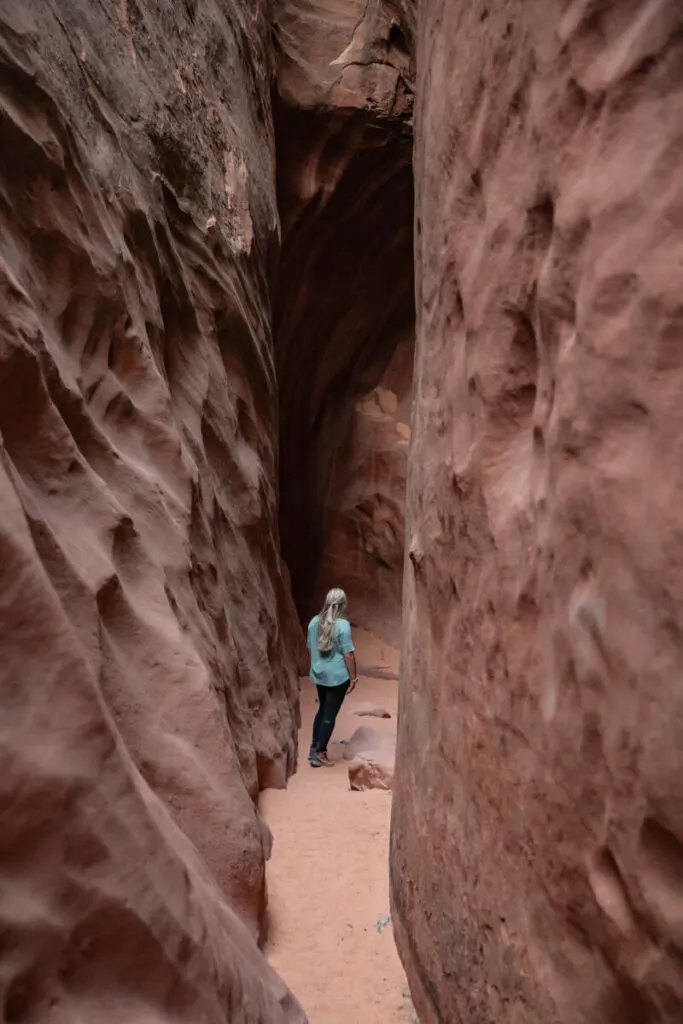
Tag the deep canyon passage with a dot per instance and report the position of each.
(379, 293)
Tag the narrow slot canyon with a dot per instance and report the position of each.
(330, 932)
(382, 296)
(344, 329)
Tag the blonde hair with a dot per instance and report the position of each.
(333, 609)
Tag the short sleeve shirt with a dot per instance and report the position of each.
(329, 668)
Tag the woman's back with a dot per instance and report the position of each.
(328, 668)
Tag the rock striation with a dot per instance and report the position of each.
(147, 677)
(167, 287)
(537, 844)
(206, 345)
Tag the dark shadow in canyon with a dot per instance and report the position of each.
(344, 334)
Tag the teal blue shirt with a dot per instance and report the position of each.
(329, 668)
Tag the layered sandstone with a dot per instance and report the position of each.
(147, 679)
(537, 850)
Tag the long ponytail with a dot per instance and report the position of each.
(333, 609)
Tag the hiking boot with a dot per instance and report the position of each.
(324, 759)
(314, 759)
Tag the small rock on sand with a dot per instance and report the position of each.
(372, 754)
(369, 775)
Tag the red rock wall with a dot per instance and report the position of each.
(147, 683)
(344, 300)
(537, 849)
(364, 508)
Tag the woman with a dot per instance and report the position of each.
(333, 670)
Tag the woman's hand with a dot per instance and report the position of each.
(354, 683)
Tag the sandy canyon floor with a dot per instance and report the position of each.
(330, 933)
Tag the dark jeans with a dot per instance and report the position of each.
(330, 700)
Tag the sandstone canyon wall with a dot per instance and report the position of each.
(344, 308)
(363, 513)
(187, 267)
(207, 294)
(537, 845)
(147, 678)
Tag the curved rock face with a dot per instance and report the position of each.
(537, 851)
(364, 508)
(344, 303)
(148, 689)
(345, 55)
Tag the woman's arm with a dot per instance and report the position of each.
(350, 660)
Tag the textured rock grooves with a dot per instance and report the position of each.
(147, 676)
(148, 672)
(207, 299)
(537, 846)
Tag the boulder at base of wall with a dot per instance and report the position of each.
(372, 754)
(371, 775)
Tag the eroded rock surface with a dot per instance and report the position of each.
(345, 55)
(372, 755)
(344, 307)
(364, 510)
(537, 846)
(147, 681)
(364, 775)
